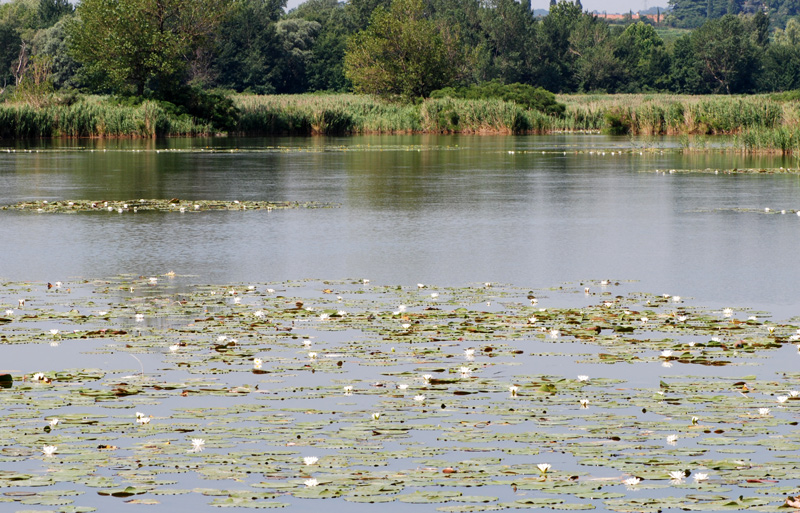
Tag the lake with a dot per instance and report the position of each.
(508, 231)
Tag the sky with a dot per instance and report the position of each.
(609, 6)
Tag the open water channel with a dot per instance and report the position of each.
(463, 258)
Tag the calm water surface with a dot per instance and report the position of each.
(532, 212)
(448, 210)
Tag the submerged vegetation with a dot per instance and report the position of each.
(266, 395)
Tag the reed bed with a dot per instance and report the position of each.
(759, 123)
(95, 117)
(667, 114)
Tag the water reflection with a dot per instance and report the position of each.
(437, 209)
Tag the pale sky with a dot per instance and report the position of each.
(610, 6)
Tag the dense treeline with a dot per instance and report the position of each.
(184, 56)
(693, 13)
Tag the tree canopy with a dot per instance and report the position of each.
(402, 52)
(128, 43)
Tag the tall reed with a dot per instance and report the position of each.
(95, 117)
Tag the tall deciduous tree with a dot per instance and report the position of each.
(726, 55)
(402, 52)
(127, 43)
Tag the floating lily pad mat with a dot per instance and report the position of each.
(151, 390)
(155, 205)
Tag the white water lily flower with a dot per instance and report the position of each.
(700, 476)
(402, 386)
(469, 353)
(197, 444)
(434, 295)
(677, 476)
(782, 398)
(584, 403)
(763, 411)
(312, 355)
(632, 481)
(270, 291)
(49, 450)
(532, 319)
(666, 353)
(681, 318)
(695, 420)
(311, 483)
(420, 285)
(427, 378)
(39, 376)
(348, 390)
(310, 460)
(771, 329)
(257, 363)
(144, 420)
(54, 422)
(54, 332)
(376, 415)
(419, 398)
(583, 377)
(174, 347)
(401, 308)
(543, 467)
(139, 317)
(405, 326)
(9, 312)
(672, 439)
(794, 393)
(676, 299)
(259, 314)
(324, 317)
(153, 280)
(513, 389)
(554, 333)
(307, 343)
(365, 281)
(727, 312)
(644, 320)
(341, 313)
(465, 372)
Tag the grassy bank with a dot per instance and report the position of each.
(759, 122)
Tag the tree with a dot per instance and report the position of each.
(296, 37)
(645, 61)
(325, 67)
(726, 55)
(50, 11)
(510, 38)
(556, 62)
(596, 66)
(128, 43)
(246, 57)
(402, 53)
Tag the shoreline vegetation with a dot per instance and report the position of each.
(758, 123)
